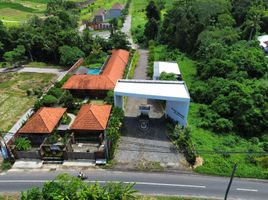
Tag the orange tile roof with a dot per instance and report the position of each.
(92, 117)
(107, 80)
(43, 121)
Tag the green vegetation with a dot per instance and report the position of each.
(219, 151)
(6, 165)
(14, 101)
(113, 129)
(43, 65)
(69, 187)
(23, 144)
(166, 198)
(134, 63)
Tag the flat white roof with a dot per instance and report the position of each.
(168, 67)
(151, 89)
(262, 39)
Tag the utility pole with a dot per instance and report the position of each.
(230, 182)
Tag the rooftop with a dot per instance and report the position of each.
(92, 117)
(150, 89)
(43, 121)
(168, 67)
(107, 80)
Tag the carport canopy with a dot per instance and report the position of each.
(174, 92)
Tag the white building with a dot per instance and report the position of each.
(263, 40)
(168, 67)
(175, 93)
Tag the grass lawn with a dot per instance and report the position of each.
(14, 101)
(210, 145)
(44, 65)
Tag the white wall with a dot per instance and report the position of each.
(178, 111)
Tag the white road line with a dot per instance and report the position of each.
(137, 183)
(246, 189)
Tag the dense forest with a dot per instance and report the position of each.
(231, 81)
(54, 38)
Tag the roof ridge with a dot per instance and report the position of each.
(43, 119)
(121, 58)
(108, 77)
(96, 117)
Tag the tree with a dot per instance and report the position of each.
(152, 11)
(69, 55)
(151, 29)
(17, 55)
(119, 40)
(32, 194)
(114, 25)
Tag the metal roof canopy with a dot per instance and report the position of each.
(152, 89)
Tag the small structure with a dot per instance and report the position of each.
(91, 121)
(99, 85)
(168, 67)
(264, 42)
(42, 124)
(115, 11)
(175, 93)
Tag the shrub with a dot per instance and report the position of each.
(56, 92)
(49, 100)
(32, 194)
(110, 97)
(23, 144)
(6, 165)
(65, 119)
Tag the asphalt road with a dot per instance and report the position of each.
(150, 183)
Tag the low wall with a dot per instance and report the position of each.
(79, 155)
(26, 154)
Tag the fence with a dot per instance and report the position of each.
(26, 154)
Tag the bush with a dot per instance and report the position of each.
(110, 97)
(56, 92)
(32, 194)
(23, 144)
(65, 119)
(182, 139)
(49, 100)
(6, 165)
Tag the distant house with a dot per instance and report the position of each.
(99, 85)
(42, 124)
(115, 11)
(90, 122)
(99, 16)
(168, 67)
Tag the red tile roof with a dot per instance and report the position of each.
(107, 80)
(92, 117)
(118, 6)
(43, 121)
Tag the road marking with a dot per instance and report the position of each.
(137, 183)
(246, 189)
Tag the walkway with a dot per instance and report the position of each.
(127, 30)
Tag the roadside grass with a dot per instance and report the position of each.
(14, 101)
(44, 65)
(219, 151)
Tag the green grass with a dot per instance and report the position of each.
(43, 65)
(14, 101)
